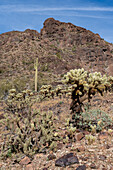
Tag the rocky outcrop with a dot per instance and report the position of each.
(88, 48)
(59, 46)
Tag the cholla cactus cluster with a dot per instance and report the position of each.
(19, 102)
(28, 131)
(90, 139)
(74, 76)
(84, 85)
(47, 91)
(79, 85)
(98, 83)
(110, 80)
(71, 131)
(58, 90)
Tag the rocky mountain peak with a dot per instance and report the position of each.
(59, 46)
(54, 28)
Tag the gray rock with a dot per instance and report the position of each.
(81, 167)
(66, 160)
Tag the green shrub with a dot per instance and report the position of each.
(59, 55)
(5, 85)
(92, 120)
(1, 71)
(45, 67)
(74, 48)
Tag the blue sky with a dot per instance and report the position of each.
(94, 15)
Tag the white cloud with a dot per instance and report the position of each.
(85, 16)
(21, 8)
(66, 14)
(61, 11)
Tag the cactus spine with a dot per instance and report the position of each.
(36, 73)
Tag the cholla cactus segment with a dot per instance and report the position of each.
(12, 91)
(110, 80)
(93, 129)
(46, 87)
(95, 77)
(28, 91)
(99, 82)
(73, 76)
(19, 96)
(81, 76)
(46, 91)
(91, 139)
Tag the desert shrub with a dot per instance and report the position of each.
(28, 131)
(92, 120)
(1, 71)
(5, 85)
(18, 83)
(74, 48)
(45, 67)
(59, 55)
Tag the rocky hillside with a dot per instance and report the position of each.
(59, 46)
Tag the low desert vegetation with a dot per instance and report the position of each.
(29, 131)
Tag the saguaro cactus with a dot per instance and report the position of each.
(36, 73)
